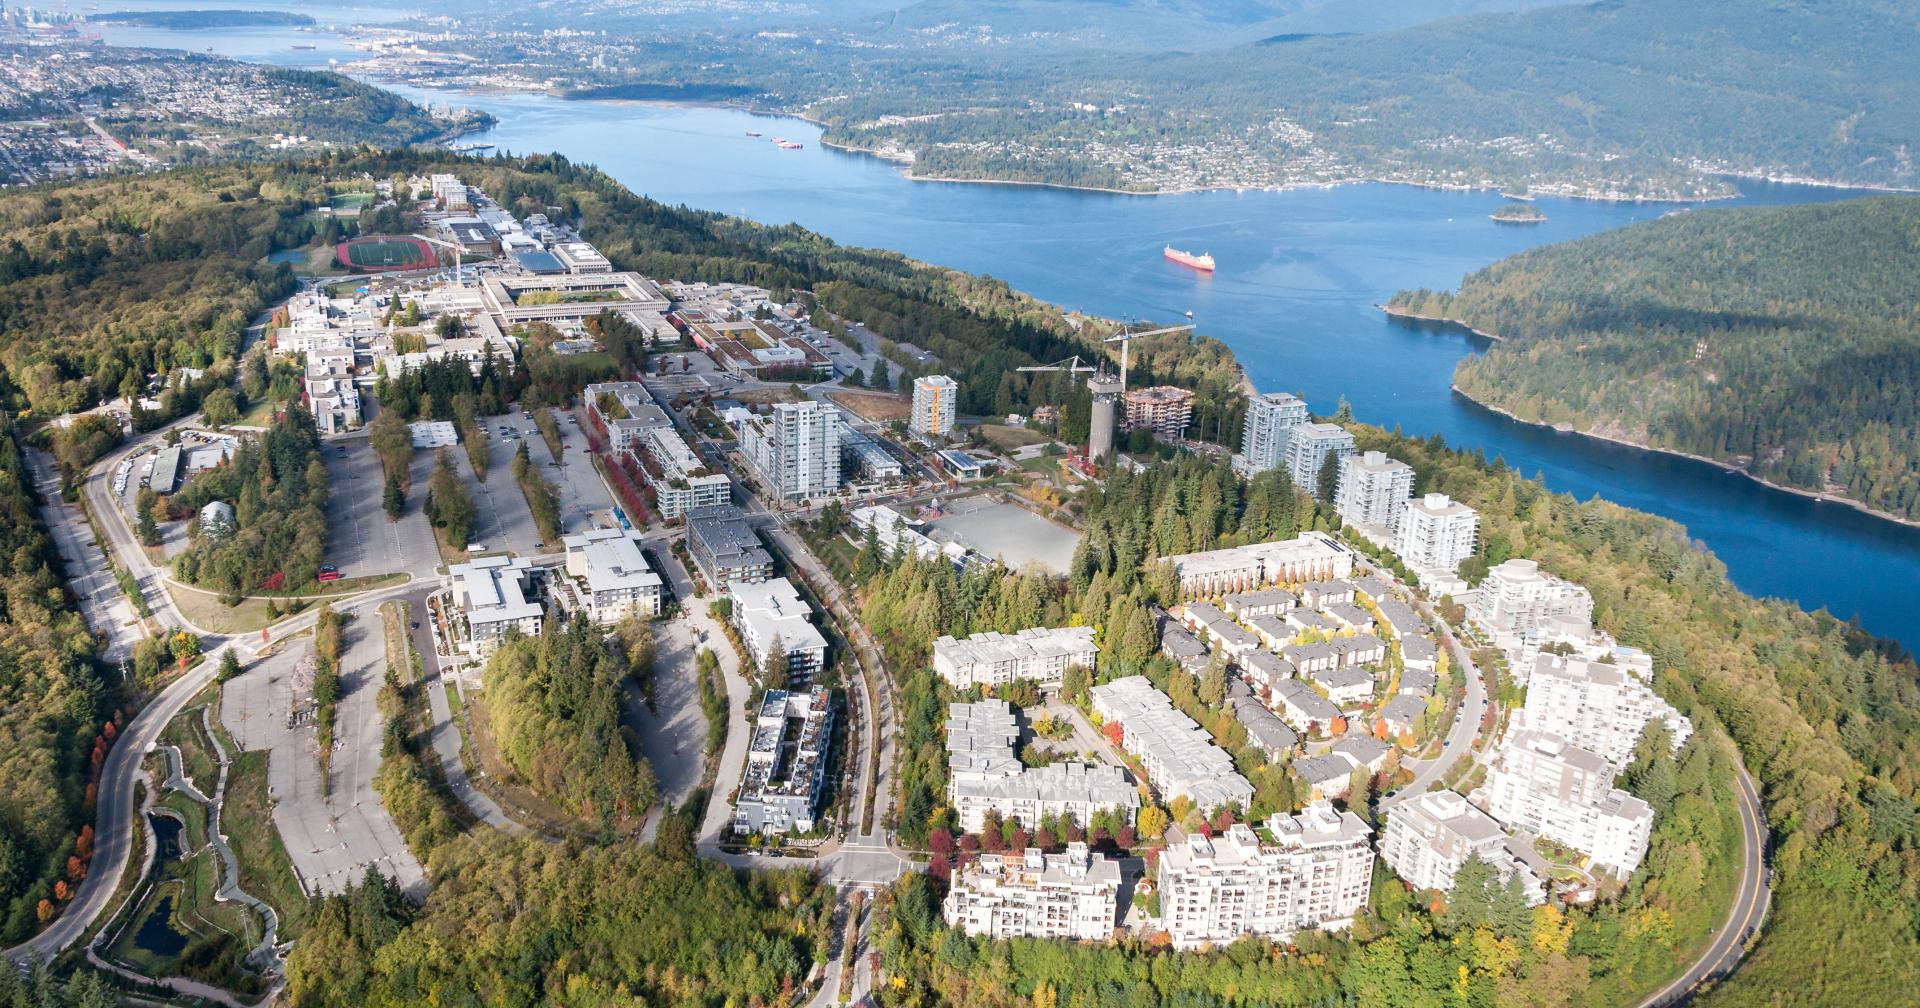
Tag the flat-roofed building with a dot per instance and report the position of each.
(773, 619)
(570, 297)
(786, 770)
(726, 549)
(166, 470)
(613, 576)
(1309, 446)
(1373, 491)
(1271, 418)
(795, 450)
(1179, 756)
(675, 475)
(624, 411)
(1310, 556)
(1436, 534)
(1431, 836)
(1541, 783)
(1310, 870)
(1038, 654)
(1517, 602)
(491, 593)
(581, 257)
(1162, 409)
(1073, 895)
(936, 403)
(1597, 706)
(864, 455)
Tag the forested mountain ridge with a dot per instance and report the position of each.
(1784, 341)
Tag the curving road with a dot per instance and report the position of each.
(1750, 903)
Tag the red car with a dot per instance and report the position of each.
(329, 573)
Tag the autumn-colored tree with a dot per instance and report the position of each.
(60, 891)
(1406, 738)
(1114, 732)
(109, 730)
(1381, 731)
(1338, 726)
(83, 844)
(43, 911)
(76, 868)
(1043, 838)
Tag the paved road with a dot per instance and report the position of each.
(89, 572)
(1460, 735)
(114, 816)
(444, 735)
(1750, 903)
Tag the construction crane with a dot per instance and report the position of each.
(458, 278)
(1126, 338)
(1071, 366)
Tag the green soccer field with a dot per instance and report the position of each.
(386, 254)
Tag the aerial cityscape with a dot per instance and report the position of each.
(547, 506)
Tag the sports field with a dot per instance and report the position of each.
(386, 253)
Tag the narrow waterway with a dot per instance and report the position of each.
(1300, 275)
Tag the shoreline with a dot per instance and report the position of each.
(1407, 316)
(1812, 495)
(905, 163)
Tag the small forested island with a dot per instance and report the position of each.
(1780, 341)
(189, 20)
(1518, 213)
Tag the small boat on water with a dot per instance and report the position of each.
(1202, 262)
(785, 144)
(304, 45)
(753, 133)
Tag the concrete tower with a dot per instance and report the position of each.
(1106, 392)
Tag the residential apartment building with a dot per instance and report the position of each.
(676, 477)
(624, 411)
(1431, 836)
(1313, 869)
(1308, 448)
(1270, 421)
(1179, 756)
(332, 395)
(1518, 603)
(1073, 895)
(1436, 533)
(1596, 706)
(795, 450)
(786, 771)
(985, 774)
(1162, 409)
(491, 594)
(1374, 491)
(936, 402)
(612, 575)
(1542, 784)
(773, 619)
(1310, 556)
(991, 659)
(1218, 631)
(725, 549)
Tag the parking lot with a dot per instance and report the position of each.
(332, 838)
(360, 539)
(501, 520)
(583, 495)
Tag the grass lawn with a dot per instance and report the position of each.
(204, 608)
(265, 869)
(876, 406)
(1008, 438)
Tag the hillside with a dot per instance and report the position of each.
(1782, 340)
(1638, 98)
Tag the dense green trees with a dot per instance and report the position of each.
(1778, 339)
(518, 921)
(104, 282)
(555, 707)
(52, 704)
(277, 486)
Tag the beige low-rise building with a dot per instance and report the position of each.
(1073, 895)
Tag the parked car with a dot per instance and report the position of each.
(327, 575)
